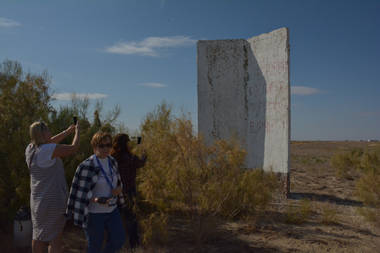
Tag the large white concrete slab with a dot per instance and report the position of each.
(243, 90)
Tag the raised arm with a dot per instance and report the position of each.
(62, 150)
(62, 135)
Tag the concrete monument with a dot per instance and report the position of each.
(243, 90)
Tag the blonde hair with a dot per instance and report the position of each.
(99, 137)
(36, 131)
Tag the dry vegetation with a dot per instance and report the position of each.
(323, 214)
(194, 198)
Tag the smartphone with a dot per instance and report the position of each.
(75, 120)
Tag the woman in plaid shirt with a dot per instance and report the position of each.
(95, 195)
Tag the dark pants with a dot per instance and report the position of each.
(131, 219)
(100, 222)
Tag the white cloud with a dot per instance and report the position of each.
(174, 41)
(153, 85)
(69, 96)
(302, 90)
(6, 22)
(130, 48)
(150, 45)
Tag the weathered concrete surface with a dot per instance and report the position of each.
(243, 90)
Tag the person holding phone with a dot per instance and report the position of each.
(128, 165)
(95, 195)
(48, 186)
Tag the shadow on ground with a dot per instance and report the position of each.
(208, 237)
(324, 198)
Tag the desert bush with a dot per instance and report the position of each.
(366, 165)
(299, 214)
(342, 164)
(183, 173)
(370, 163)
(346, 164)
(356, 162)
(367, 187)
(368, 191)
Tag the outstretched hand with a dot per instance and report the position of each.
(71, 129)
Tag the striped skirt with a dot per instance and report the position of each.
(47, 218)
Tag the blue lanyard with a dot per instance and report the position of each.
(104, 173)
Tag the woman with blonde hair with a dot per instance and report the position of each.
(48, 186)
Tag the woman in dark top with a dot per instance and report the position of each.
(128, 165)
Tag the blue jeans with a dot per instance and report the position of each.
(100, 222)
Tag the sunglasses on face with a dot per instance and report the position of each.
(108, 145)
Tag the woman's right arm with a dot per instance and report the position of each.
(62, 150)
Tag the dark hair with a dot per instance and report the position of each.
(120, 145)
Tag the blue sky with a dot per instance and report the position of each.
(138, 53)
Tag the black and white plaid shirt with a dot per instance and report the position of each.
(84, 181)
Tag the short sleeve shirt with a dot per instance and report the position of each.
(44, 154)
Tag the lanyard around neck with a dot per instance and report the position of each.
(104, 173)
